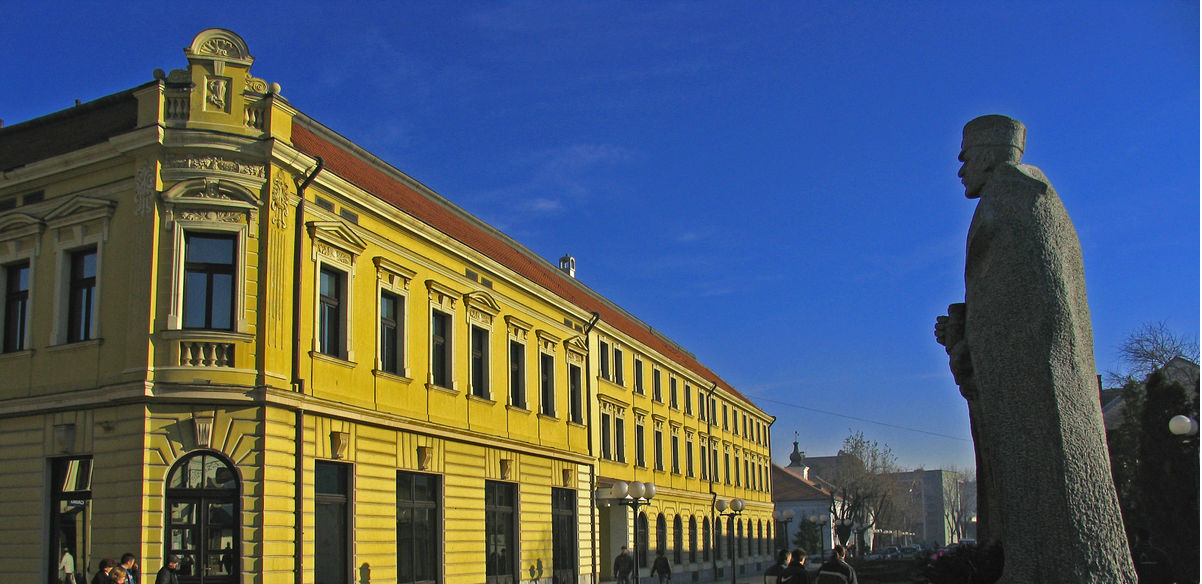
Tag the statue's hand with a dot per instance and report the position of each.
(941, 329)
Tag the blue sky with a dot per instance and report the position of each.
(773, 185)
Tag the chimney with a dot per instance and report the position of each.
(567, 264)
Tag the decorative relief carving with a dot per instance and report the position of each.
(256, 85)
(477, 315)
(279, 201)
(332, 252)
(217, 92)
(220, 216)
(219, 47)
(194, 162)
(144, 189)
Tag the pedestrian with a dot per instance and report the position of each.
(129, 563)
(66, 568)
(118, 575)
(102, 571)
(167, 573)
(795, 572)
(836, 570)
(623, 566)
(661, 567)
(782, 562)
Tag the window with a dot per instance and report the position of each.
(688, 399)
(675, 454)
(688, 456)
(725, 418)
(209, 270)
(738, 481)
(672, 393)
(440, 349)
(81, 295)
(718, 538)
(70, 515)
(620, 439)
(418, 527)
(638, 376)
(677, 540)
(330, 319)
(618, 378)
(332, 513)
(16, 306)
(392, 325)
(704, 457)
(657, 392)
(661, 534)
(641, 543)
(640, 447)
(700, 405)
(705, 539)
(606, 452)
(659, 450)
(575, 394)
(714, 464)
(500, 529)
(603, 355)
(517, 374)
(564, 535)
(546, 375)
(480, 362)
(726, 474)
(203, 526)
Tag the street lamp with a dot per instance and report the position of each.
(640, 495)
(821, 520)
(1183, 425)
(736, 509)
(785, 517)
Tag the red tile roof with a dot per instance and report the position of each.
(460, 226)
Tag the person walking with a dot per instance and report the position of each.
(623, 566)
(167, 573)
(836, 570)
(662, 568)
(129, 563)
(795, 572)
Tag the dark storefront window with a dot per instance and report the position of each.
(418, 527)
(202, 519)
(331, 562)
(70, 518)
(563, 536)
(500, 529)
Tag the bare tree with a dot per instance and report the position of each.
(1150, 347)
(960, 493)
(863, 486)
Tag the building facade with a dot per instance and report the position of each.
(232, 335)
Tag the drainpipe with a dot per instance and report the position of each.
(592, 469)
(298, 383)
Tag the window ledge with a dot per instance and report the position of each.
(518, 409)
(442, 389)
(577, 424)
(391, 376)
(548, 417)
(14, 355)
(76, 345)
(206, 334)
(474, 397)
(332, 360)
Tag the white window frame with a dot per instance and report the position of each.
(393, 278)
(481, 311)
(80, 223)
(443, 299)
(519, 332)
(20, 240)
(546, 347)
(337, 246)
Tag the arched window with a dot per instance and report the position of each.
(203, 519)
(692, 538)
(730, 529)
(768, 537)
(661, 534)
(759, 537)
(705, 539)
(677, 540)
(641, 545)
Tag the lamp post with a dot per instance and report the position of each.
(640, 495)
(736, 509)
(1183, 426)
(785, 517)
(821, 520)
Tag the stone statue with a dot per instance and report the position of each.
(1021, 349)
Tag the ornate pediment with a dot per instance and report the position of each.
(336, 234)
(80, 209)
(20, 225)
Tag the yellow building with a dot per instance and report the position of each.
(234, 336)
